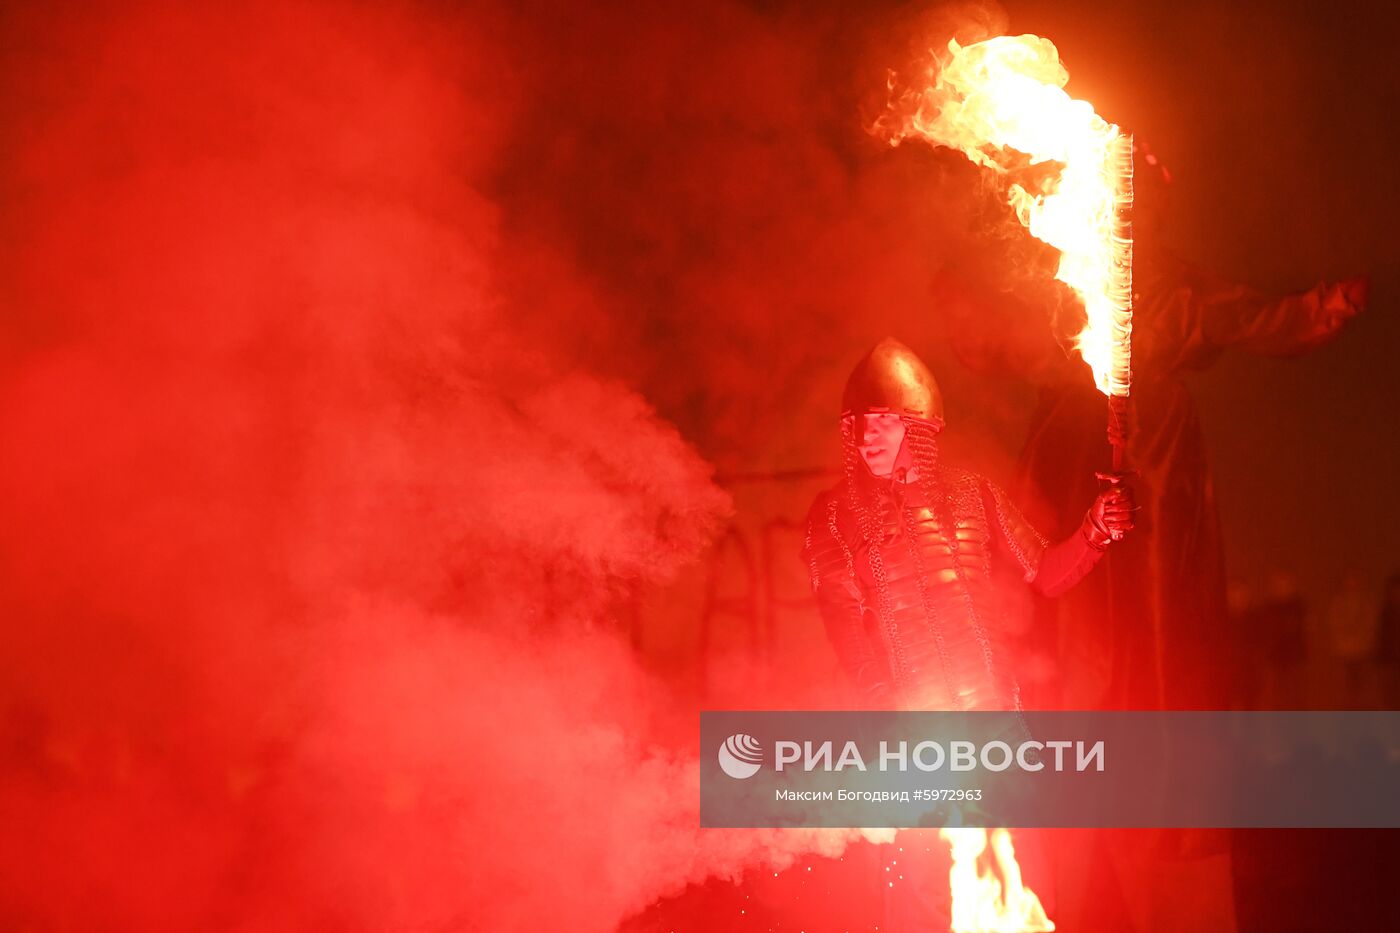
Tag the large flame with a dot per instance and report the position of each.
(1002, 104)
(988, 893)
(996, 99)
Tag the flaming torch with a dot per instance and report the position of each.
(1002, 102)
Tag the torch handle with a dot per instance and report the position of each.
(1119, 411)
(1118, 414)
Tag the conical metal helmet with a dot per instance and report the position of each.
(892, 378)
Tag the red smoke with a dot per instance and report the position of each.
(323, 471)
(290, 477)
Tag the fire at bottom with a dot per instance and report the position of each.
(989, 894)
(953, 880)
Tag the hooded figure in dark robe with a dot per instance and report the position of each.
(1148, 630)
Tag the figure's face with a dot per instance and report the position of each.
(878, 437)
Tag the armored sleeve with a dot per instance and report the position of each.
(1016, 536)
(830, 563)
(1050, 568)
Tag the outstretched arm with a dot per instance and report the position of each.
(1280, 327)
(1189, 316)
(1054, 568)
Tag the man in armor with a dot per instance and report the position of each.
(902, 555)
(902, 551)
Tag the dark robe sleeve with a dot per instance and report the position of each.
(1187, 317)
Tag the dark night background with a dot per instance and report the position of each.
(375, 377)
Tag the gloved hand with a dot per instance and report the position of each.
(1341, 301)
(1325, 310)
(1111, 515)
